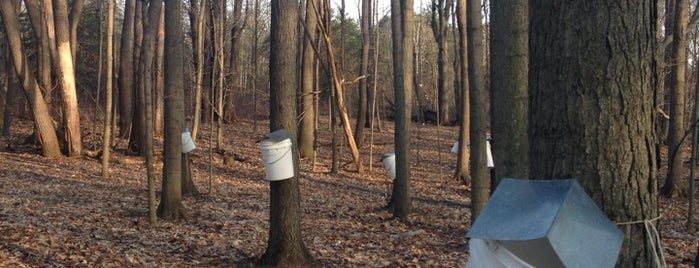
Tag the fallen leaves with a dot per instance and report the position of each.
(61, 213)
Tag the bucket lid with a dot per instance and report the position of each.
(549, 223)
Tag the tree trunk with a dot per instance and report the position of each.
(76, 11)
(363, 87)
(509, 39)
(66, 77)
(592, 108)
(440, 26)
(235, 61)
(43, 50)
(126, 74)
(675, 185)
(463, 158)
(402, 25)
(478, 97)
(170, 207)
(159, 76)
(107, 136)
(197, 20)
(40, 110)
(307, 132)
(136, 138)
(285, 246)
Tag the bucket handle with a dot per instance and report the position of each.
(280, 158)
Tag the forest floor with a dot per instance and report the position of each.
(62, 213)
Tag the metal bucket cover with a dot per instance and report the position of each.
(549, 223)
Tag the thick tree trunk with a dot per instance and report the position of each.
(509, 38)
(40, 110)
(402, 25)
(307, 134)
(126, 72)
(170, 206)
(592, 108)
(66, 77)
(285, 246)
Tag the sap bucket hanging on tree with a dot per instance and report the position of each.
(187, 142)
(389, 161)
(277, 155)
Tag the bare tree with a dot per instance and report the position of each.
(440, 26)
(107, 136)
(363, 86)
(126, 72)
(402, 25)
(285, 246)
(199, 59)
(170, 206)
(462, 168)
(478, 98)
(40, 110)
(307, 134)
(63, 64)
(674, 184)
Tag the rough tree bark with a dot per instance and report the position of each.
(592, 108)
(509, 39)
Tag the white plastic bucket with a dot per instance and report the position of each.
(279, 162)
(488, 153)
(389, 161)
(187, 142)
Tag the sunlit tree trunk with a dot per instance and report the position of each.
(159, 76)
(363, 86)
(307, 134)
(170, 206)
(463, 158)
(63, 64)
(150, 30)
(76, 11)
(197, 19)
(402, 25)
(106, 138)
(40, 110)
(43, 51)
(478, 97)
(285, 246)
